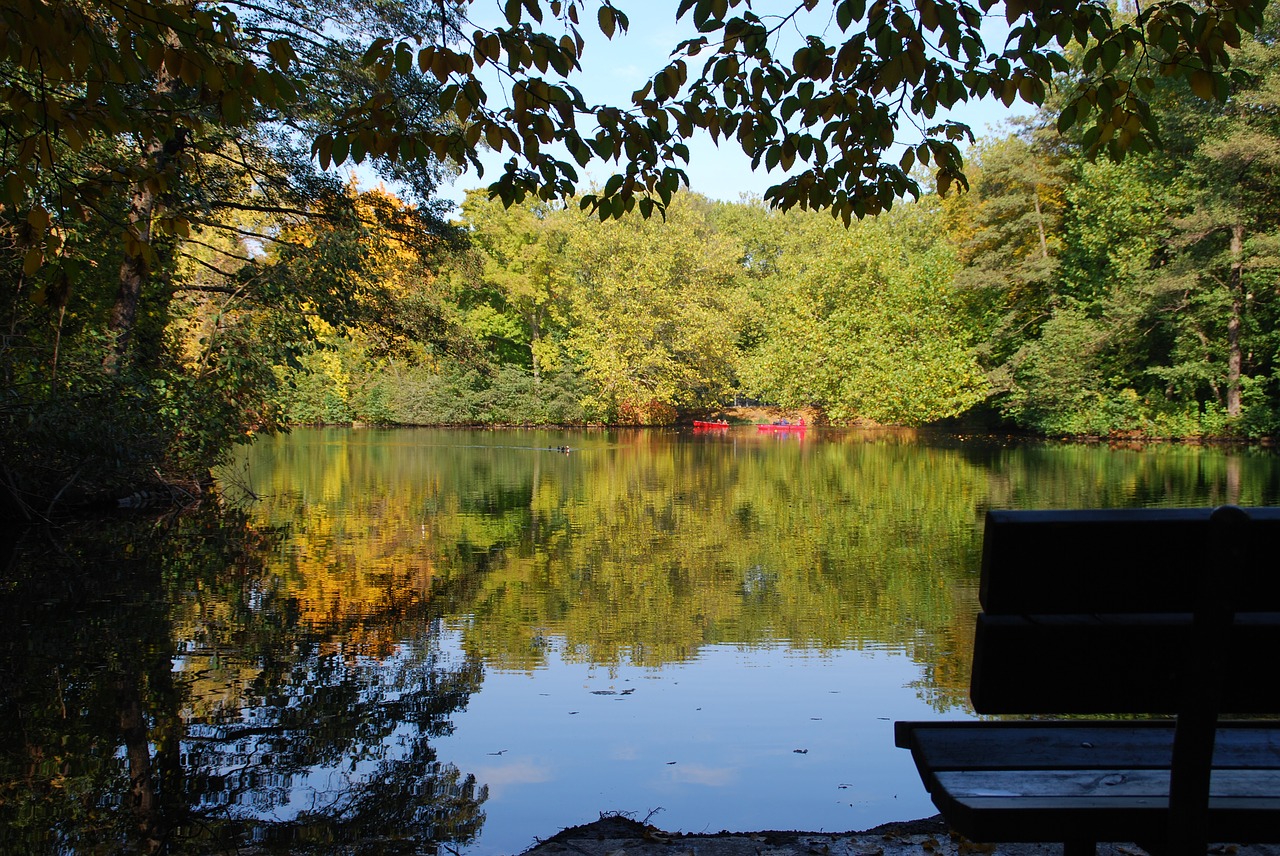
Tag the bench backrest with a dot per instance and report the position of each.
(1108, 611)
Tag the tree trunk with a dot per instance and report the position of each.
(142, 801)
(136, 266)
(1044, 238)
(133, 273)
(535, 336)
(1233, 323)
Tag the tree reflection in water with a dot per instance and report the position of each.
(281, 680)
(163, 696)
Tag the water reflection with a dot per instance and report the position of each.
(410, 640)
(167, 697)
(638, 547)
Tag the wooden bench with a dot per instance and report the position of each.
(1118, 612)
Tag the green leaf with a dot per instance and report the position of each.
(1067, 117)
(15, 188)
(232, 107)
(324, 150)
(725, 69)
(702, 14)
(1110, 55)
(1092, 135)
(39, 219)
(845, 15)
(282, 52)
(341, 145)
(944, 182)
(854, 9)
(375, 48)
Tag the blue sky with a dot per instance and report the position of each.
(612, 70)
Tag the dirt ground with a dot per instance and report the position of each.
(613, 835)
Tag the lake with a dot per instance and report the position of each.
(398, 639)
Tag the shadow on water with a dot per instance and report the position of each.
(162, 698)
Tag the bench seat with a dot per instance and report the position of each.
(1027, 780)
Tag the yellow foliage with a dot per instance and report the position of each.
(399, 267)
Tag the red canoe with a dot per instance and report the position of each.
(775, 427)
(700, 424)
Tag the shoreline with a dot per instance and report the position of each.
(618, 835)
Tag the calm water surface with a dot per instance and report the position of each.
(470, 639)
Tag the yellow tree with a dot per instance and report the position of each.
(374, 301)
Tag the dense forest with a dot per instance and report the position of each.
(180, 276)
(1061, 294)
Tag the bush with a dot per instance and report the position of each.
(502, 396)
(373, 405)
(1259, 416)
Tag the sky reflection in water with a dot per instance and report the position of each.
(741, 739)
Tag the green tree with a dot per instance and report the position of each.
(1009, 241)
(1228, 234)
(655, 314)
(1160, 318)
(171, 169)
(836, 107)
(518, 296)
(864, 322)
(150, 126)
(829, 110)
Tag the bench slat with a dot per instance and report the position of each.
(1090, 664)
(1029, 745)
(1113, 560)
(1114, 819)
(1083, 787)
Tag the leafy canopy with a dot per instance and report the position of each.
(835, 113)
(848, 114)
(78, 70)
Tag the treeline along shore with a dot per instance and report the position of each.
(1049, 289)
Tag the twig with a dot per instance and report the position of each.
(74, 477)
